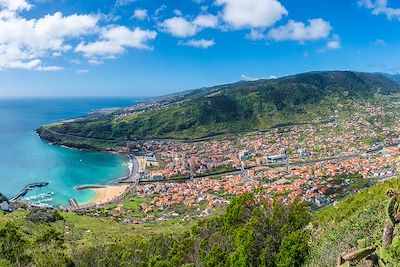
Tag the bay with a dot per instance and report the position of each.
(25, 158)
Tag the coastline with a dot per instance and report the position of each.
(115, 189)
(112, 189)
(106, 194)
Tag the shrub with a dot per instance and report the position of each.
(44, 216)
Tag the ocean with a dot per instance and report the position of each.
(25, 158)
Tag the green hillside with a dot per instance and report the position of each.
(232, 108)
(248, 233)
(360, 217)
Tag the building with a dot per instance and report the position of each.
(244, 154)
(150, 160)
(303, 153)
(157, 177)
(275, 158)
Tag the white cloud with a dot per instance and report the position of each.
(252, 79)
(82, 71)
(26, 43)
(49, 68)
(28, 65)
(255, 35)
(249, 78)
(114, 41)
(379, 7)
(178, 13)
(119, 3)
(200, 43)
(140, 14)
(23, 42)
(251, 14)
(333, 44)
(300, 32)
(35, 64)
(59, 26)
(75, 61)
(179, 27)
(206, 21)
(160, 10)
(10, 7)
(95, 62)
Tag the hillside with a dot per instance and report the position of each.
(339, 228)
(232, 108)
(247, 234)
(395, 77)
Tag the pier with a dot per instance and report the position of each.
(73, 202)
(27, 188)
(83, 187)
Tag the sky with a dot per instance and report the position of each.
(155, 47)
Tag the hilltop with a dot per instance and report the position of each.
(231, 108)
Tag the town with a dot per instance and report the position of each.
(319, 163)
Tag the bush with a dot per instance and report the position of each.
(44, 216)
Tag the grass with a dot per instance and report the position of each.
(338, 227)
(86, 231)
(134, 203)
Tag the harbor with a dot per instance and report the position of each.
(27, 188)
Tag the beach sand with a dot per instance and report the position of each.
(108, 193)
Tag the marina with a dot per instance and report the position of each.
(27, 188)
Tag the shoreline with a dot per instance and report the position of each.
(113, 189)
(105, 194)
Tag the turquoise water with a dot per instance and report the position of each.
(24, 158)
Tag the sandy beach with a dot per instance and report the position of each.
(108, 193)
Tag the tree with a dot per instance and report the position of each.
(293, 250)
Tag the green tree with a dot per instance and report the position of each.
(216, 257)
(293, 250)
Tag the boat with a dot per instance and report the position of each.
(39, 196)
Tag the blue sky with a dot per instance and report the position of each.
(155, 47)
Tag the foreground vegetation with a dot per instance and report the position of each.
(339, 228)
(249, 233)
(233, 108)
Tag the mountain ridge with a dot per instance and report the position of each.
(230, 108)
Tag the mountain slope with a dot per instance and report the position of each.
(338, 228)
(237, 107)
(395, 77)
